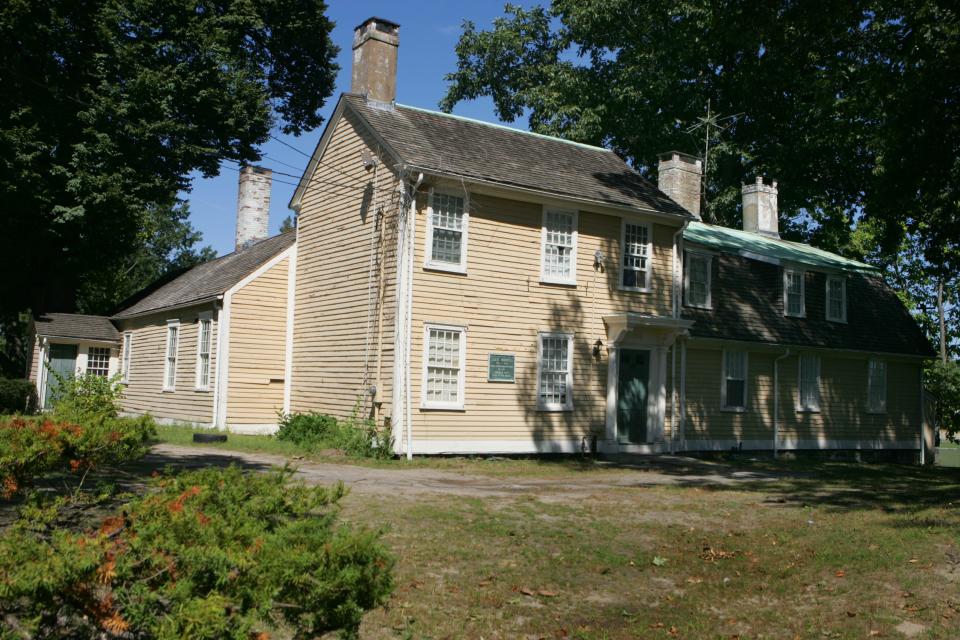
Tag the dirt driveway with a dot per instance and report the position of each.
(661, 470)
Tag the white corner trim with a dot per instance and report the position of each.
(288, 350)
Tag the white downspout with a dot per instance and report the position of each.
(411, 232)
(675, 247)
(776, 400)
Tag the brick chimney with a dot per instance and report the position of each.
(760, 208)
(375, 45)
(253, 205)
(679, 176)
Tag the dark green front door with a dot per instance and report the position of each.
(63, 361)
(632, 382)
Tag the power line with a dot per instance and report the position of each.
(290, 146)
(308, 155)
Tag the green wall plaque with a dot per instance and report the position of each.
(500, 367)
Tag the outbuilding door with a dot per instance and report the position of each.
(633, 381)
(63, 362)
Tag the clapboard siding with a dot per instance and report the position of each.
(143, 392)
(258, 337)
(504, 306)
(336, 306)
(843, 390)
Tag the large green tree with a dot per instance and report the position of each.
(107, 108)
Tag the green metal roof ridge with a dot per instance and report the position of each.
(504, 127)
(746, 242)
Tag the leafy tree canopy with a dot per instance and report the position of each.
(108, 107)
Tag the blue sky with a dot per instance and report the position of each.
(428, 34)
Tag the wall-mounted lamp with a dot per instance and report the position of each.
(598, 259)
(597, 348)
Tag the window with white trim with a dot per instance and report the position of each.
(555, 372)
(204, 335)
(877, 386)
(734, 389)
(446, 238)
(697, 279)
(809, 387)
(836, 299)
(98, 361)
(444, 355)
(127, 356)
(170, 361)
(635, 263)
(559, 250)
(793, 293)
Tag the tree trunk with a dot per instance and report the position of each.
(943, 323)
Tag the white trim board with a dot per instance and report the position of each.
(455, 446)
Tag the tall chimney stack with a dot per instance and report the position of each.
(760, 208)
(375, 45)
(253, 205)
(679, 176)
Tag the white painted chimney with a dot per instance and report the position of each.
(679, 176)
(253, 205)
(760, 213)
(375, 45)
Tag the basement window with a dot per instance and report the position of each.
(793, 293)
(98, 361)
(635, 266)
(444, 356)
(555, 372)
(877, 386)
(836, 299)
(559, 247)
(447, 225)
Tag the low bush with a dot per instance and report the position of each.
(33, 446)
(306, 429)
(86, 397)
(17, 396)
(207, 554)
(358, 438)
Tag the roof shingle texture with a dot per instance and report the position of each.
(210, 279)
(439, 142)
(748, 305)
(78, 326)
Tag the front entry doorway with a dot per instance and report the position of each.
(633, 383)
(62, 361)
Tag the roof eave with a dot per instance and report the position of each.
(173, 307)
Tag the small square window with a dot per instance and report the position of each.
(98, 361)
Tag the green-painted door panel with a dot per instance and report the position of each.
(632, 386)
(63, 362)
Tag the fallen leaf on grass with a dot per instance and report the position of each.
(547, 593)
(712, 555)
(659, 561)
(913, 561)
(694, 580)
(673, 631)
(851, 614)
(527, 592)
(840, 573)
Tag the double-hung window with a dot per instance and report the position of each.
(555, 372)
(447, 226)
(877, 386)
(444, 360)
(809, 396)
(170, 362)
(98, 361)
(836, 299)
(559, 250)
(697, 279)
(127, 356)
(204, 335)
(793, 293)
(734, 389)
(635, 264)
